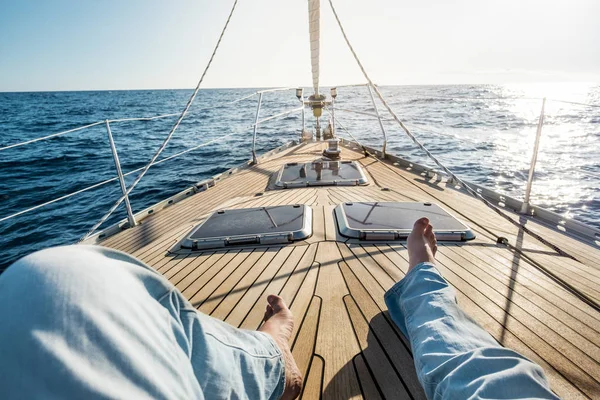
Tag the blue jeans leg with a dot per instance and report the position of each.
(455, 358)
(91, 322)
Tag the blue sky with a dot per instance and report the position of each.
(83, 45)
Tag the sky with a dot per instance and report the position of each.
(50, 45)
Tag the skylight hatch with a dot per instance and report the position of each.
(394, 221)
(320, 173)
(251, 226)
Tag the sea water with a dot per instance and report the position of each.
(484, 133)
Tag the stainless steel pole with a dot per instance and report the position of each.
(113, 148)
(380, 121)
(318, 129)
(254, 159)
(525, 206)
(333, 117)
(303, 117)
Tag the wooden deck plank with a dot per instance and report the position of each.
(339, 378)
(365, 377)
(304, 295)
(330, 224)
(528, 291)
(318, 225)
(303, 347)
(313, 384)
(396, 347)
(364, 271)
(501, 258)
(187, 275)
(517, 307)
(196, 291)
(257, 291)
(286, 284)
(388, 381)
(217, 291)
(260, 273)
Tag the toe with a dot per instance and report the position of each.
(421, 224)
(429, 229)
(276, 303)
(268, 312)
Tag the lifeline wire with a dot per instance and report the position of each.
(50, 136)
(115, 178)
(168, 138)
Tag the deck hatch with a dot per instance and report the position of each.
(320, 173)
(394, 221)
(251, 226)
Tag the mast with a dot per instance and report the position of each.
(314, 19)
(316, 101)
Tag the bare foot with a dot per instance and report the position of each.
(422, 244)
(279, 323)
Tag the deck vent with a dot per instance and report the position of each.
(251, 226)
(320, 173)
(389, 221)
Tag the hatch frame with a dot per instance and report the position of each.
(250, 239)
(359, 181)
(346, 229)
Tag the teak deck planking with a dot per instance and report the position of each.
(344, 340)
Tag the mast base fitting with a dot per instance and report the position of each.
(333, 151)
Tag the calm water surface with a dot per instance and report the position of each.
(484, 133)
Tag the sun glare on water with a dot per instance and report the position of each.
(569, 138)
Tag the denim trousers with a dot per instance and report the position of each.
(454, 357)
(91, 322)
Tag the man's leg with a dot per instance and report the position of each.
(84, 321)
(455, 358)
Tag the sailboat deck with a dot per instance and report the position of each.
(527, 296)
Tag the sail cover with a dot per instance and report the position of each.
(314, 16)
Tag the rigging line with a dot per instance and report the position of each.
(575, 102)
(278, 89)
(503, 98)
(176, 114)
(116, 177)
(120, 120)
(58, 199)
(51, 136)
(434, 159)
(173, 129)
(143, 118)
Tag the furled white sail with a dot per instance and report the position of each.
(314, 16)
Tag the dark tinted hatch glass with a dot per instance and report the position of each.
(251, 221)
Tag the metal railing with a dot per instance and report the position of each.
(121, 176)
(525, 207)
